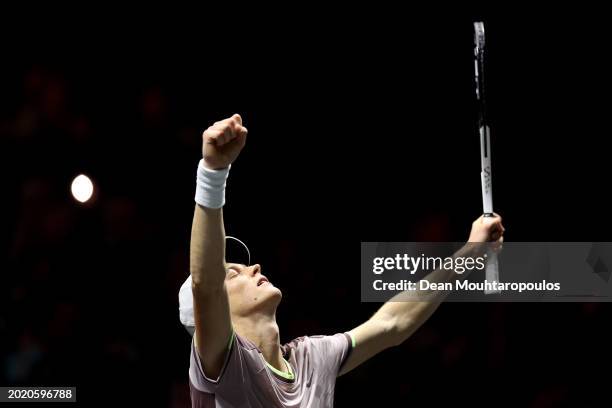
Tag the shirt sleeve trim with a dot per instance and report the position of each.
(225, 362)
(352, 339)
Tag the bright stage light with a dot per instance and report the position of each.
(82, 188)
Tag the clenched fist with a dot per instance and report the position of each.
(487, 229)
(222, 142)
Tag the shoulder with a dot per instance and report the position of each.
(241, 359)
(323, 345)
(326, 354)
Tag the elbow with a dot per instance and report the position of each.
(397, 330)
(391, 331)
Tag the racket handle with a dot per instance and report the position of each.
(487, 195)
(492, 267)
(492, 271)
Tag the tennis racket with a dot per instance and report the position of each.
(492, 266)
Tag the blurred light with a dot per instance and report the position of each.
(82, 188)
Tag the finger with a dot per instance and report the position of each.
(221, 135)
(231, 121)
(242, 136)
(495, 223)
(225, 132)
(230, 127)
(228, 135)
(497, 232)
(490, 223)
(237, 118)
(498, 245)
(235, 124)
(212, 135)
(237, 131)
(500, 227)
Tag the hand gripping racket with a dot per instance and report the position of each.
(492, 267)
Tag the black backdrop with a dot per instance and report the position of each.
(361, 128)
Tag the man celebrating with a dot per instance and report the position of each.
(236, 356)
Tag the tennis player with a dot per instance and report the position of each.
(237, 359)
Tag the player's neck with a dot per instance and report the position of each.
(262, 330)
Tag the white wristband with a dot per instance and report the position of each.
(210, 186)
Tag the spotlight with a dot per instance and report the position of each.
(82, 188)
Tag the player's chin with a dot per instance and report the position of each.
(271, 295)
(271, 290)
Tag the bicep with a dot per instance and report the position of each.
(213, 327)
(370, 338)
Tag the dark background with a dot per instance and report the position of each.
(361, 128)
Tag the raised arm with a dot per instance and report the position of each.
(397, 320)
(222, 143)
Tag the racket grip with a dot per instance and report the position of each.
(492, 266)
(491, 271)
(487, 196)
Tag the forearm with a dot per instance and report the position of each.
(207, 250)
(403, 315)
